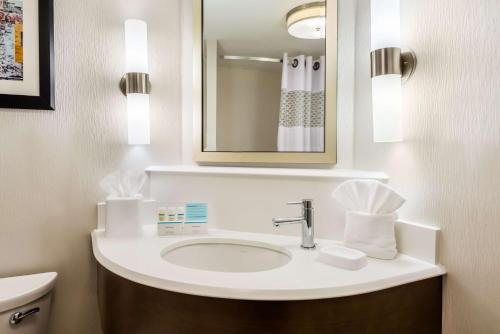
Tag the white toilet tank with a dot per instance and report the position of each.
(25, 303)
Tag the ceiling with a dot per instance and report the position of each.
(255, 28)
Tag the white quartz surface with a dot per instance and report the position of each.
(139, 260)
(330, 173)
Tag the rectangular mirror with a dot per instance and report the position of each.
(265, 81)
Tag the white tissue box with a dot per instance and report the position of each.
(372, 234)
(123, 217)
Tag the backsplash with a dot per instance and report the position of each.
(248, 202)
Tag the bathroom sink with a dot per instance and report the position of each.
(226, 255)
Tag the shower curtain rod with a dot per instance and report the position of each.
(262, 59)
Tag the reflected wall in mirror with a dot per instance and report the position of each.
(268, 79)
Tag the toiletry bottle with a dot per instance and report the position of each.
(181, 214)
(162, 214)
(171, 213)
(170, 225)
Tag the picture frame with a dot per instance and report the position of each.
(33, 85)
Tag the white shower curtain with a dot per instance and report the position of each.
(302, 107)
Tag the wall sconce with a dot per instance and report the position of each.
(389, 67)
(135, 84)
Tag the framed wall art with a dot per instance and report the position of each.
(27, 54)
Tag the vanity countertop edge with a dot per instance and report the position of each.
(139, 260)
(328, 173)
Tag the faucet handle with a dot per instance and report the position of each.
(306, 203)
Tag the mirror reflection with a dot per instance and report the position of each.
(264, 76)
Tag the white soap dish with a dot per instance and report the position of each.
(342, 257)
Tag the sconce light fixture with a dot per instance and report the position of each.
(135, 84)
(307, 21)
(389, 66)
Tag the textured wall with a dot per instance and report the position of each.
(51, 162)
(449, 165)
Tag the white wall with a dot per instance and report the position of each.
(51, 162)
(449, 165)
(248, 108)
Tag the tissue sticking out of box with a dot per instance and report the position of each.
(368, 196)
(121, 184)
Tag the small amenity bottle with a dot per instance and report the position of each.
(162, 214)
(181, 214)
(168, 223)
(171, 214)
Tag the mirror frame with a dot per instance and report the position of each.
(327, 157)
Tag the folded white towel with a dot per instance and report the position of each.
(371, 234)
(370, 218)
(369, 196)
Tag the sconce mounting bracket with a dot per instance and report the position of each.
(388, 61)
(135, 83)
(408, 64)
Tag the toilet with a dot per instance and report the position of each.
(25, 303)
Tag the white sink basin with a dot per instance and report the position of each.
(226, 255)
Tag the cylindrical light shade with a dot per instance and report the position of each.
(386, 89)
(136, 46)
(385, 24)
(138, 119)
(386, 103)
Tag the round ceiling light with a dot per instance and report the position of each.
(307, 21)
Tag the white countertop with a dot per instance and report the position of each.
(139, 260)
(329, 173)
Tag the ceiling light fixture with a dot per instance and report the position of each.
(307, 21)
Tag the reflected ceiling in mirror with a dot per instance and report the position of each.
(263, 74)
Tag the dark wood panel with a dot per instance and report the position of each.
(127, 307)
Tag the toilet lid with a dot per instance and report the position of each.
(22, 290)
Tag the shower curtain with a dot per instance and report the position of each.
(302, 106)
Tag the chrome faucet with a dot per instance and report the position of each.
(307, 221)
